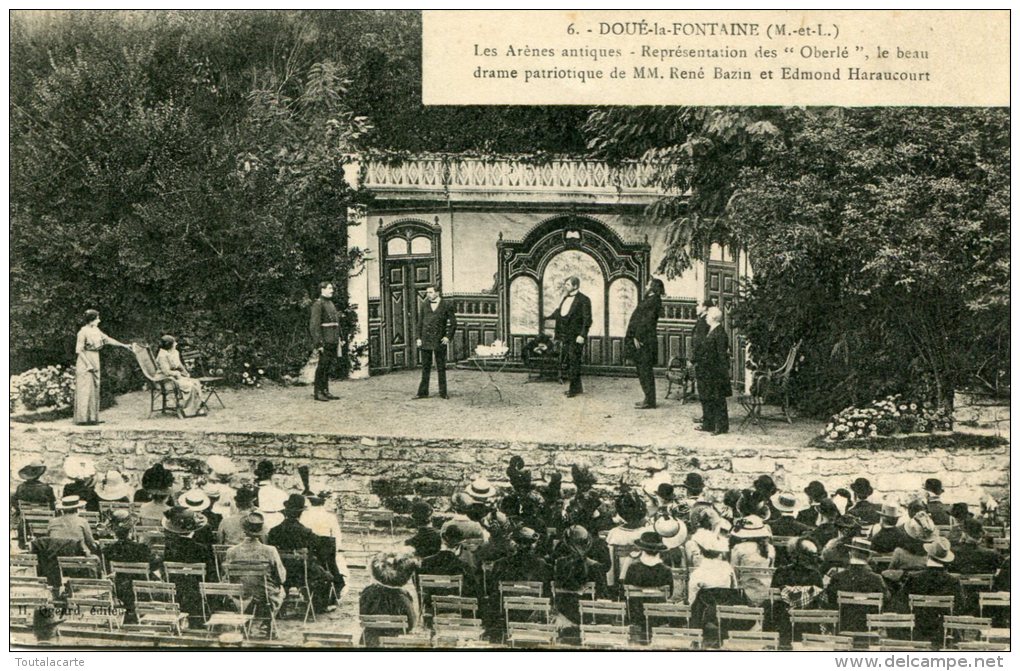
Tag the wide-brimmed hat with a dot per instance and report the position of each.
(816, 491)
(650, 542)
(631, 507)
(582, 476)
(113, 487)
(271, 499)
(933, 485)
(195, 500)
(78, 467)
(391, 569)
(784, 502)
(182, 521)
(889, 511)
(672, 531)
(221, 465)
(709, 540)
(921, 527)
(577, 537)
(480, 489)
(70, 503)
(751, 526)
(940, 550)
(121, 517)
(693, 483)
(295, 502)
(858, 544)
(421, 512)
(799, 545)
(157, 478)
(862, 488)
(253, 523)
(32, 470)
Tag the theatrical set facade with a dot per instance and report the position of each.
(499, 236)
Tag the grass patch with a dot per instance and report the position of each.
(915, 441)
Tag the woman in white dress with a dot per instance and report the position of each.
(168, 362)
(86, 369)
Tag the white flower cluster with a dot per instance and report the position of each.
(497, 349)
(51, 387)
(885, 417)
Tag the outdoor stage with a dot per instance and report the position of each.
(377, 443)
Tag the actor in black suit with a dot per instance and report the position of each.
(437, 320)
(713, 371)
(573, 320)
(698, 335)
(324, 326)
(642, 341)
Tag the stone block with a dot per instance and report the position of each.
(754, 465)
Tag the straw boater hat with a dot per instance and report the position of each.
(113, 487)
(32, 470)
(194, 500)
(921, 527)
(940, 550)
(784, 502)
(70, 503)
(481, 490)
(78, 467)
(751, 526)
(221, 465)
(182, 521)
(672, 531)
(859, 545)
(889, 512)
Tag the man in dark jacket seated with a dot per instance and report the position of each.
(448, 562)
(126, 550)
(426, 541)
(889, 535)
(856, 577)
(934, 580)
(179, 528)
(816, 493)
(574, 569)
(292, 536)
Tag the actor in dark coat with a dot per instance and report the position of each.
(713, 371)
(437, 322)
(642, 343)
(573, 320)
(324, 326)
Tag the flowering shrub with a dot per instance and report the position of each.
(251, 376)
(50, 387)
(885, 417)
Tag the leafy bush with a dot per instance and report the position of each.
(889, 416)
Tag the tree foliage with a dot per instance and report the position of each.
(878, 236)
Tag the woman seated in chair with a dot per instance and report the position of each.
(168, 362)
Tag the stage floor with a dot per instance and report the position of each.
(528, 411)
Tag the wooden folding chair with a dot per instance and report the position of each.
(327, 639)
(681, 578)
(982, 646)
(526, 604)
(603, 608)
(622, 555)
(254, 576)
(531, 634)
(376, 517)
(897, 645)
(996, 635)
(159, 385)
(587, 591)
(124, 573)
(859, 600)
(938, 602)
(992, 600)
(828, 642)
(755, 614)
(220, 558)
(232, 595)
(824, 618)
(520, 588)
(430, 586)
(672, 638)
(296, 565)
(1000, 545)
(443, 604)
(995, 532)
(670, 612)
(93, 599)
(25, 598)
(24, 565)
(954, 628)
(880, 562)
(751, 640)
(79, 567)
(405, 641)
(156, 604)
(385, 623)
(883, 623)
(634, 596)
(454, 631)
(605, 636)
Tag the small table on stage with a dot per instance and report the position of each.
(209, 387)
(490, 365)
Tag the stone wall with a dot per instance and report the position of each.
(364, 470)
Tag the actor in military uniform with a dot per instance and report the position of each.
(325, 329)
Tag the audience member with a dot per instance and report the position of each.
(825, 526)
(835, 553)
(574, 569)
(785, 523)
(888, 535)
(388, 594)
(713, 571)
(82, 472)
(425, 541)
(750, 547)
(816, 493)
(157, 484)
(231, 530)
(933, 580)
(863, 509)
(970, 556)
(291, 536)
(30, 490)
(253, 550)
(938, 511)
(856, 577)
(68, 525)
(647, 571)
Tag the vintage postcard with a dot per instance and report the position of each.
(490, 330)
